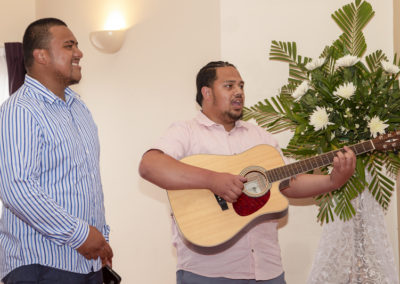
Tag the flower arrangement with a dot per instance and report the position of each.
(338, 99)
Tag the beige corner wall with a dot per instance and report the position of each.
(247, 29)
(14, 17)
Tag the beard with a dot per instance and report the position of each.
(234, 116)
(72, 79)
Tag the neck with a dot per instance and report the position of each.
(53, 85)
(228, 124)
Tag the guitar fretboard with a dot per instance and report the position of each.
(287, 171)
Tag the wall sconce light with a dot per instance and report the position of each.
(110, 39)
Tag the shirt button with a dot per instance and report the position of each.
(252, 250)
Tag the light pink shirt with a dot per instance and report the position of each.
(257, 254)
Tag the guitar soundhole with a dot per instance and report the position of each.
(256, 191)
(257, 183)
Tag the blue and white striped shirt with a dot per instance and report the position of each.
(49, 180)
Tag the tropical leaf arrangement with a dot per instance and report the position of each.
(338, 99)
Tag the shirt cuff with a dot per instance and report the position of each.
(79, 235)
(106, 233)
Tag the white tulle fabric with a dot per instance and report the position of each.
(355, 251)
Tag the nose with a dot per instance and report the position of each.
(77, 52)
(239, 91)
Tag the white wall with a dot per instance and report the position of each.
(14, 18)
(247, 29)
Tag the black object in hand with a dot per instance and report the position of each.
(110, 276)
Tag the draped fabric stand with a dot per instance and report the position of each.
(356, 251)
(3, 76)
(15, 65)
(3, 83)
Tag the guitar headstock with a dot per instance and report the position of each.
(387, 142)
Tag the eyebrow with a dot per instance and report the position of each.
(71, 41)
(233, 81)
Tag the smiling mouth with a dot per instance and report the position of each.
(76, 64)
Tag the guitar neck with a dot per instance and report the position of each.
(303, 166)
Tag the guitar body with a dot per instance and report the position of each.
(200, 219)
(209, 225)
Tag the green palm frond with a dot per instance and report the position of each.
(351, 19)
(339, 201)
(287, 52)
(343, 207)
(271, 114)
(373, 60)
(326, 207)
(287, 90)
(380, 186)
(392, 164)
(329, 66)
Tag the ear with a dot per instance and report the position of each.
(40, 56)
(206, 92)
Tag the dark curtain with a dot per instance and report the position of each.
(15, 65)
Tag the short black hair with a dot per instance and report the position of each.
(207, 75)
(37, 36)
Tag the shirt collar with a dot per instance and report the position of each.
(46, 94)
(204, 120)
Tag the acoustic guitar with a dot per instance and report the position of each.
(209, 223)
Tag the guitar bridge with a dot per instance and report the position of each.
(222, 202)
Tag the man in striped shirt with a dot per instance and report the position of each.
(52, 227)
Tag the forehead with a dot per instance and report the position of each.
(228, 73)
(61, 34)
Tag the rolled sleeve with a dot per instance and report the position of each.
(79, 235)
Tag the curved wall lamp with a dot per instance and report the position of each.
(108, 41)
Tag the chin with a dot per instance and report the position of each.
(74, 81)
(236, 116)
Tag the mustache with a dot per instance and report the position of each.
(238, 96)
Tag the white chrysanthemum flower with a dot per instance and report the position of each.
(301, 90)
(376, 126)
(315, 63)
(345, 91)
(346, 61)
(319, 118)
(390, 68)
